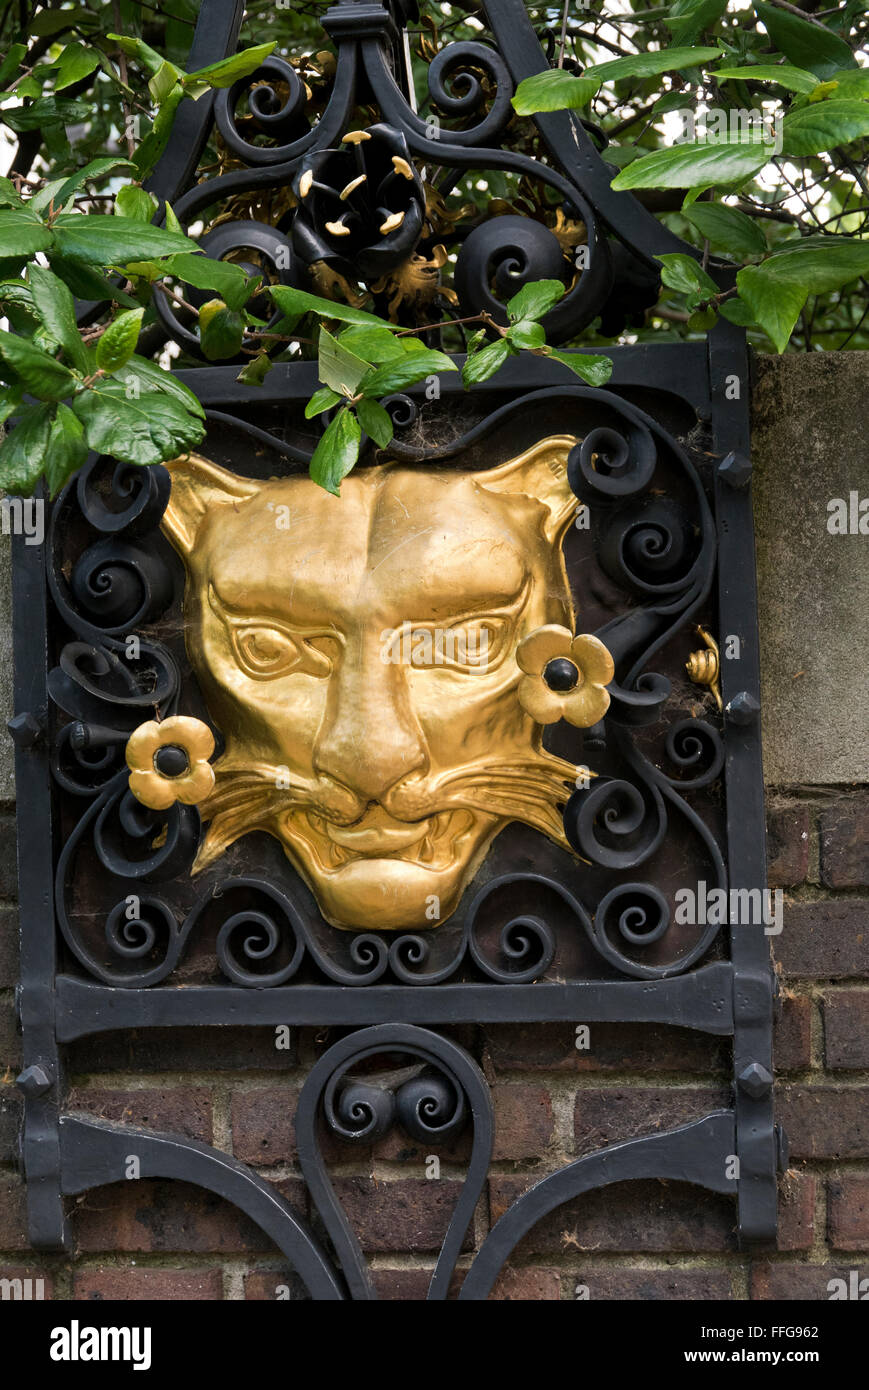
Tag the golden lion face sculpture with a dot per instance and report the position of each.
(359, 656)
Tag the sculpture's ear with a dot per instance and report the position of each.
(539, 473)
(197, 487)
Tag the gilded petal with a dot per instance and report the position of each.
(540, 647)
(142, 745)
(152, 790)
(544, 705)
(586, 705)
(191, 734)
(593, 659)
(196, 784)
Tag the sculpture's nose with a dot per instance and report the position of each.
(370, 738)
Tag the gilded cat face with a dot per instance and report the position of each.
(359, 656)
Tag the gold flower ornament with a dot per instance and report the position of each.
(565, 677)
(168, 762)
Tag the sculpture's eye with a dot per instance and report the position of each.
(264, 652)
(471, 644)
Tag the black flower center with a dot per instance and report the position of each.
(560, 674)
(171, 761)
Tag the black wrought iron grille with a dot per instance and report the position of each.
(539, 936)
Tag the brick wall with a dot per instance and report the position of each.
(644, 1240)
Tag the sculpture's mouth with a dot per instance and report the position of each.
(435, 843)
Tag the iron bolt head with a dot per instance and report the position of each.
(24, 729)
(735, 469)
(35, 1080)
(743, 708)
(755, 1081)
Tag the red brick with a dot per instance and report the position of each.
(846, 1029)
(849, 1212)
(653, 1285)
(792, 1034)
(13, 1214)
(10, 1121)
(407, 1214)
(796, 1282)
(613, 1113)
(273, 1285)
(32, 1273)
(523, 1121)
(8, 947)
(825, 940)
(528, 1285)
(825, 1121)
(262, 1124)
(638, 1216)
(155, 1285)
(160, 1217)
(177, 1110)
(10, 1038)
(796, 1212)
(787, 845)
(844, 833)
(613, 1047)
(8, 857)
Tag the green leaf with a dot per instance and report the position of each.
(652, 64)
(221, 330)
(594, 369)
(555, 90)
(46, 112)
(164, 81)
(172, 223)
(66, 449)
(695, 165)
(806, 45)
(534, 300)
(406, 371)
(775, 304)
(74, 63)
(135, 203)
(738, 312)
(149, 377)
(292, 301)
(12, 62)
(726, 228)
(48, 198)
(852, 82)
(54, 304)
(96, 169)
(337, 451)
(22, 454)
(821, 263)
(793, 79)
(157, 138)
(376, 422)
(684, 274)
(254, 372)
(229, 70)
(338, 367)
(22, 233)
(36, 371)
(688, 18)
(118, 343)
(376, 345)
(109, 240)
(150, 430)
(324, 399)
(485, 363)
(87, 283)
(149, 59)
(207, 273)
(527, 334)
(52, 21)
(8, 197)
(824, 126)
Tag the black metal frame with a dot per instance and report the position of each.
(69, 696)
